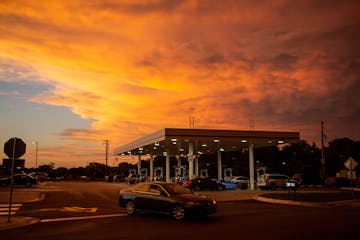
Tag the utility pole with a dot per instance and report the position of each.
(106, 142)
(191, 121)
(36, 152)
(323, 173)
(252, 124)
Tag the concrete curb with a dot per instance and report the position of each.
(17, 222)
(297, 203)
(40, 198)
(288, 202)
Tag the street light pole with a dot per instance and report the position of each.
(36, 153)
(106, 142)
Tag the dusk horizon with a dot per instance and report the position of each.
(74, 74)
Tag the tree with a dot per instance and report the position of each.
(302, 158)
(338, 151)
(47, 168)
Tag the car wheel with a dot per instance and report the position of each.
(220, 188)
(178, 212)
(130, 208)
(28, 184)
(197, 188)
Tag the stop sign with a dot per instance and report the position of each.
(18, 151)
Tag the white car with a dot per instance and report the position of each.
(274, 181)
(241, 181)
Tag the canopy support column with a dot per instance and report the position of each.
(151, 167)
(191, 160)
(219, 164)
(251, 166)
(167, 169)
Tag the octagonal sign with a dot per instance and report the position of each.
(14, 148)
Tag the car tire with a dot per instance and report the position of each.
(178, 212)
(220, 188)
(197, 188)
(130, 208)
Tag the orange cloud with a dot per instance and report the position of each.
(136, 66)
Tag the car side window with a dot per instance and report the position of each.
(141, 188)
(155, 189)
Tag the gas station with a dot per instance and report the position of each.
(191, 143)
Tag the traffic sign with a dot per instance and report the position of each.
(14, 148)
(350, 163)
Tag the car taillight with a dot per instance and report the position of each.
(187, 183)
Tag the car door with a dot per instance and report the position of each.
(141, 196)
(158, 199)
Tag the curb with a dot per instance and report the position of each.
(288, 202)
(297, 203)
(40, 198)
(17, 222)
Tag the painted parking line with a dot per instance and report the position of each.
(78, 209)
(81, 218)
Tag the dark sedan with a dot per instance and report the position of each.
(19, 179)
(167, 198)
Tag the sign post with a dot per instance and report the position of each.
(13, 148)
(351, 164)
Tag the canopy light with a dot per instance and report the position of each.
(244, 141)
(216, 140)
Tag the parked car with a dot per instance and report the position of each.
(119, 178)
(241, 181)
(167, 198)
(19, 179)
(203, 183)
(134, 178)
(40, 176)
(308, 180)
(229, 185)
(273, 181)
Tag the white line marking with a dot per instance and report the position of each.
(14, 205)
(82, 218)
(6, 213)
(7, 209)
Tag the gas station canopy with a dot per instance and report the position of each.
(175, 141)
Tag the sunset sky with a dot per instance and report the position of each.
(74, 73)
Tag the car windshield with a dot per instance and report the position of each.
(176, 189)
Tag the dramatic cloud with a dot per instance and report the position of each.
(133, 67)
